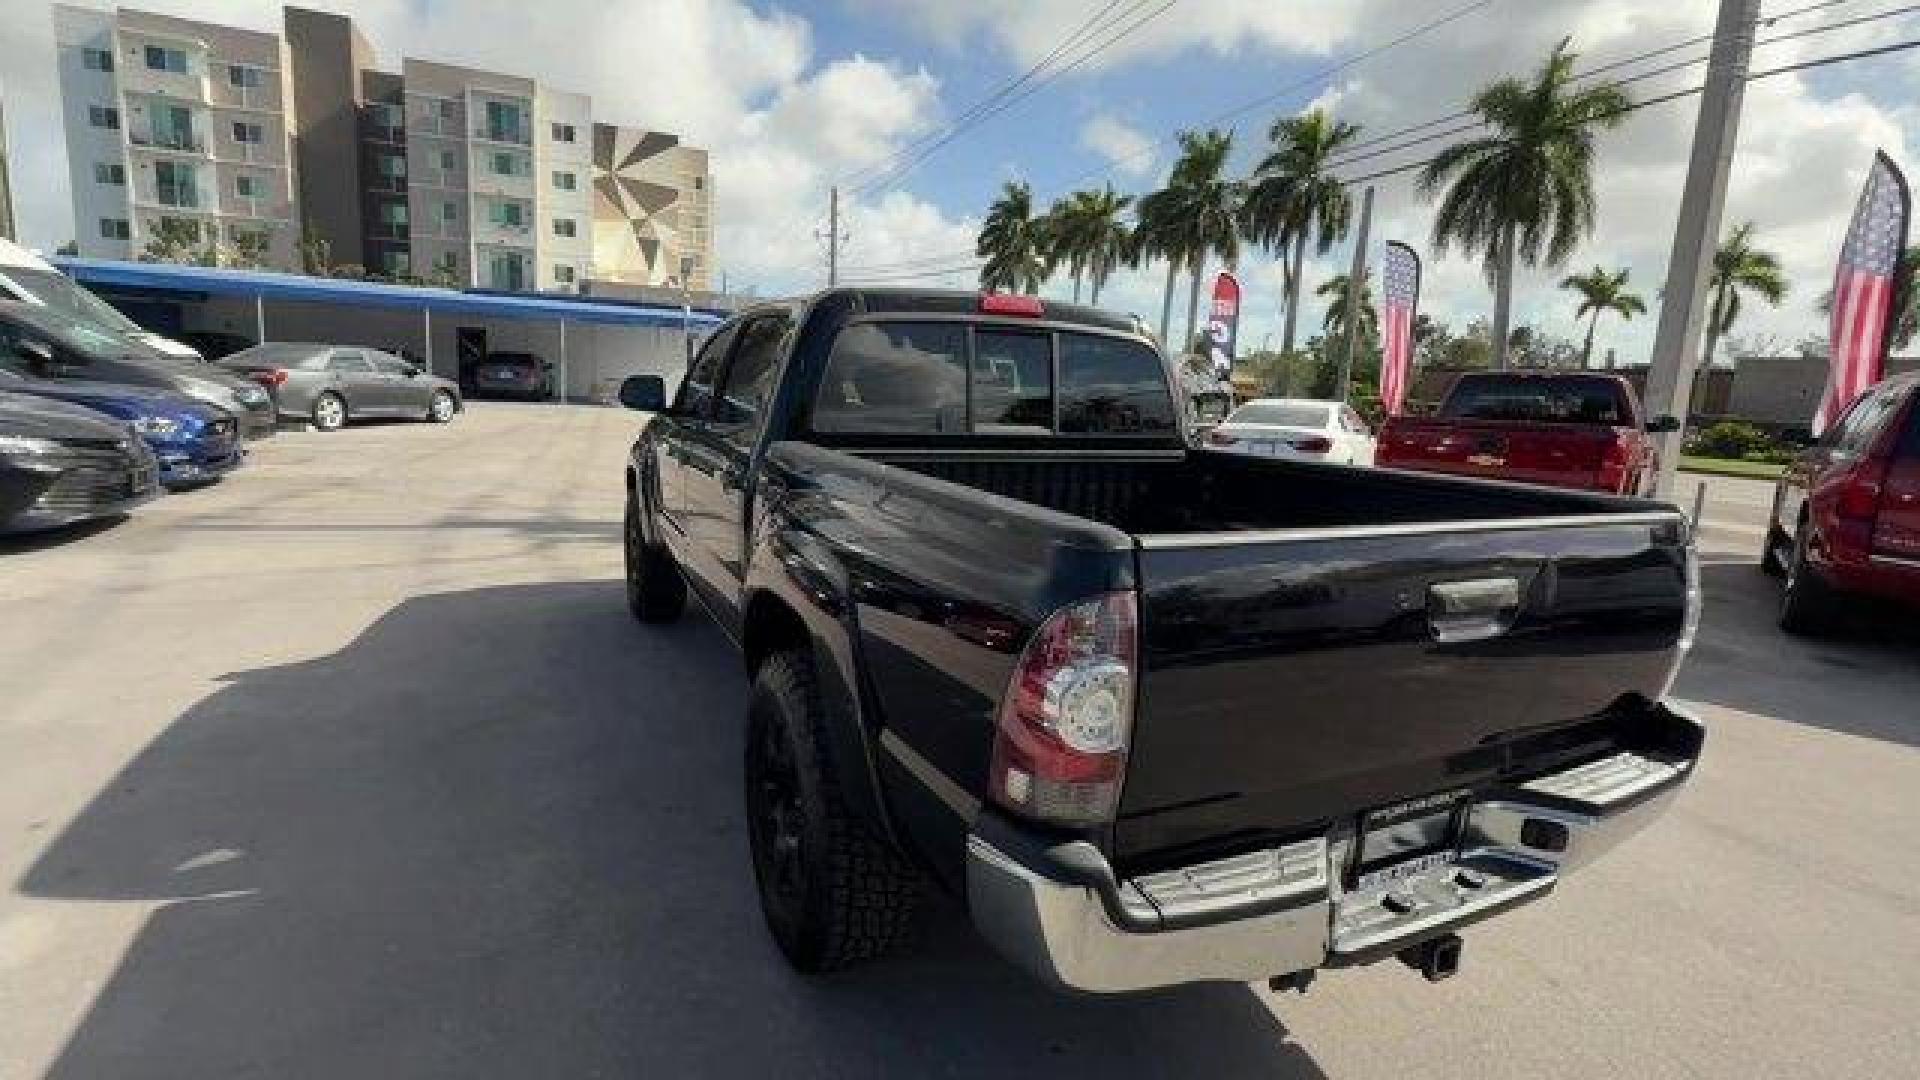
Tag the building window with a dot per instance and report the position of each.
(446, 108)
(503, 122)
(563, 133)
(449, 161)
(114, 228)
(393, 166)
(104, 116)
(160, 58)
(563, 273)
(243, 76)
(506, 164)
(394, 213)
(397, 263)
(449, 212)
(246, 133)
(110, 172)
(564, 227)
(506, 214)
(247, 187)
(699, 182)
(245, 234)
(96, 59)
(173, 183)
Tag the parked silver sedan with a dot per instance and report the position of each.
(329, 384)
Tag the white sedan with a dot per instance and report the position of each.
(1296, 428)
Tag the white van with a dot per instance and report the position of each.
(30, 278)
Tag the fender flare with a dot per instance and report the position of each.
(792, 575)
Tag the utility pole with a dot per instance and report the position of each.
(1676, 343)
(833, 236)
(1356, 293)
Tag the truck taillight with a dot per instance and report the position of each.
(1060, 749)
(1613, 464)
(1859, 494)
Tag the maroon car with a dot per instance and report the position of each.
(1846, 515)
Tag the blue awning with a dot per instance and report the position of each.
(212, 281)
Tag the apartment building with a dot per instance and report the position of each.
(179, 127)
(498, 171)
(652, 203)
(443, 172)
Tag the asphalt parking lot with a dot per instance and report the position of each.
(353, 765)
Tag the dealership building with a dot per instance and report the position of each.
(591, 344)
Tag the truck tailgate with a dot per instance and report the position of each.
(1563, 454)
(1296, 677)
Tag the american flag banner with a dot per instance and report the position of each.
(1400, 293)
(1863, 291)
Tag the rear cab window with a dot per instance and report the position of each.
(930, 378)
(1557, 399)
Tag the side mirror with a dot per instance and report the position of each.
(412, 372)
(37, 354)
(645, 393)
(1662, 425)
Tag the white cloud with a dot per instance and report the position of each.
(780, 121)
(1128, 149)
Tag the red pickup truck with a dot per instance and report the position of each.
(1846, 515)
(1564, 429)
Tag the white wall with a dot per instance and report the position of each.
(552, 202)
(74, 29)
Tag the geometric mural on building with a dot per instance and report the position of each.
(636, 206)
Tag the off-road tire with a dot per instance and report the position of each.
(656, 593)
(845, 897)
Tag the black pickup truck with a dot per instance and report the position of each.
(1158, 714)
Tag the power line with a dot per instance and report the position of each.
(997, 95)
(934, 272)
(1637, 58)
(1755, 76)
(1306, 83)
(953, 133)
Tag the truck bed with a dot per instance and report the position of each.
(1317, 641)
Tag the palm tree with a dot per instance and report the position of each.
(1739, 267)
(1013, 243)
(1601, 292)
(1525, 191)
(1105, 241)
(1340, 307)
(1197, 215)
(1293, 195)
(1088, 237)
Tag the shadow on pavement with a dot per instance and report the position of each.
(498, 834)
(1862, 679)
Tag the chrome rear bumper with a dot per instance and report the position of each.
(1059, 912)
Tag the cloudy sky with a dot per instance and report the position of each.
(792, 98)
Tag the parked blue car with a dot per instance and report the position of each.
(195, 443)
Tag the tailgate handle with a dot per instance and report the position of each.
(1472, 610)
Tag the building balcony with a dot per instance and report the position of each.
(137, 78)
(177, 142)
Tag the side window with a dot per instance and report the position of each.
(1864, 421)
(895, 377)
(1909, 447)
(389, 365)
(348, 363)
(1012, 382)
(742, 403)
(696, 390)
(1110, 386)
